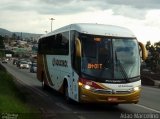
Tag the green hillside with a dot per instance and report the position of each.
(4, 32)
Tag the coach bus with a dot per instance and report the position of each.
(91, 63)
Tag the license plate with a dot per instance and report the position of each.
(112, 99)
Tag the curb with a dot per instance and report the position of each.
(147, 79)
(156, 83)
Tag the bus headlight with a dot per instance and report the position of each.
(80, 84)
(87, 87)
(136, 88)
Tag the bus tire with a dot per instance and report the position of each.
(44, 86)
(66, 94)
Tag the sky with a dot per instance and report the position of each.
(142, 17)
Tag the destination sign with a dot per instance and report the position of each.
(94, 66)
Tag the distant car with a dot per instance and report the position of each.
(15, 61)
(33, 67)
(4, 60)
(23, 65)
(19, 61)
(29, 62)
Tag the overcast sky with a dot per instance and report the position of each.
(33, 16)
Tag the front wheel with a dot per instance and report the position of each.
(44, 86)
(66, 94)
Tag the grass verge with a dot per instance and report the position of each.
(12, 100)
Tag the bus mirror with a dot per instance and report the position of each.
(78, 47)
(144, 51)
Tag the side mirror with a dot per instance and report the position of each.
(144, 51)
(78, 47)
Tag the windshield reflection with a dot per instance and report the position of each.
(126, 51)
(109, 59)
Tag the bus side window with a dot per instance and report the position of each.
(39, 46)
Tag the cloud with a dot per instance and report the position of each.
(56, 2)
(64, 7)
(18, 6)
(129, 12)
(139, 4)
(129, 8)
(141, 16)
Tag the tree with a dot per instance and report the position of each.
(2, 46)
(148, 44)
(157, 46)
(153, 60)
(14, 36)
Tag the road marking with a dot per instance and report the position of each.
(81, 117)
(38, 91)
(31, 88)
(25, 84)
(148, 108)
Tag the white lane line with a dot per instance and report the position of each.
(148, 108)
(31, 88)
(27, 85)
(81, 117)
(37, 91)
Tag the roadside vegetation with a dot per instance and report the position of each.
(150, 70)
(12, 100)
(153, 61)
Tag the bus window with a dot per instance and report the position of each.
(90, 50)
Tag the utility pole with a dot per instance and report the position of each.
(51, 22)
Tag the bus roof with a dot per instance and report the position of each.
(95, 29)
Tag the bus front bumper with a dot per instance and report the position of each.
(88, 96)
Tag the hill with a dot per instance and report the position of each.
(4, 32)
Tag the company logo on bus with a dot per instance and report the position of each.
(125, 85)
(57, 62)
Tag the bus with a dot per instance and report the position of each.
(91, 63)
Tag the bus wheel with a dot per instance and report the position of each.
(66, 94)
(44, 86)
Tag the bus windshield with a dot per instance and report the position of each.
(107, 59)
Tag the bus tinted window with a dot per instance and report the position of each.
(88, 50)
(57, 44)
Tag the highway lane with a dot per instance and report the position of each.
(55, 104)
(150, 97)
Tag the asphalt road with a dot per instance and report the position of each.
(53, 105)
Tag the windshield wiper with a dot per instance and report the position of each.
(105, 62)
(121, 67)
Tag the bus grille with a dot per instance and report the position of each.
(112, 91)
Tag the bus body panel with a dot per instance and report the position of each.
(59, 69)
(95, 29)
(112, 93)
(91, 97)
(126, 86)
(55, 69)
